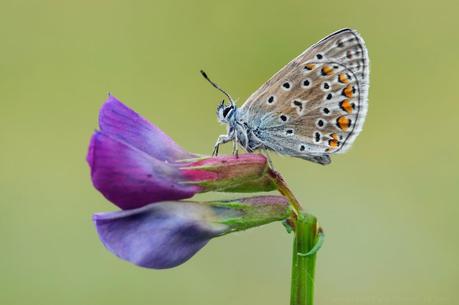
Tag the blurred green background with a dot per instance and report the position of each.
(389, 206)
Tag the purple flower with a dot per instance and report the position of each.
(144, 172)
(166, 234)
(133, 163)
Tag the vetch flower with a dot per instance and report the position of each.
(166, 234)
(144, 172)
(133, 163)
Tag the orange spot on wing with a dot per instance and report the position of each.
(334, 136)
(346, 106)
(333, 143)
(342, 78)
(327, 70)
(348, 91)
(310, 66)
(343, 123)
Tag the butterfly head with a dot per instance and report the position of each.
(225, 112)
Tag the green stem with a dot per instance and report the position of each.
(307, 235)
(303, 266)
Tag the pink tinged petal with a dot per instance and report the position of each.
(133, 163)
(166, 234)
(130, 178)
(246, 173)
(121, 122)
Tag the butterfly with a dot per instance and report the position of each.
(313, 107)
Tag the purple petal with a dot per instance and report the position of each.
(119, 121)
(130, 178)
(158, 236)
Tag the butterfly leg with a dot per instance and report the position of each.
(235, 146)
(215, 151)
(222, 139)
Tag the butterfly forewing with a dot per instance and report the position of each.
(316, 105)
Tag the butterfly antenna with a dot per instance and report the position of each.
(218, 87)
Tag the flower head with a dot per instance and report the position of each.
(144, 172)
(133, 163)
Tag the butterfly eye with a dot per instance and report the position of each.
(226, 111)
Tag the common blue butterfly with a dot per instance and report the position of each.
(313, 107)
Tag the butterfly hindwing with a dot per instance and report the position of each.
(316, 105)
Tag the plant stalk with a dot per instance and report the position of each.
(303, 262)
(306, 236)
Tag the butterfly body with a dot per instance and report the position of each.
(313, 107)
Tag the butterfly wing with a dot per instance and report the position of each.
(315, 105)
